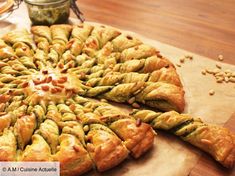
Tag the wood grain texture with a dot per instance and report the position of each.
(203, 27)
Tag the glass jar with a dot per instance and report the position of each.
(48, 12)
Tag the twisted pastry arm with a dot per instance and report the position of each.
(147, 65)
(79, 35)
(167, 75)
(6, 51)
(158, 95)
(138, 52)
(60, 37)
(42, 37)
(19, 36)
(21, 42)
(50, 132)
(219, 142)
(98, 38)
(23, 129)
(123, 42)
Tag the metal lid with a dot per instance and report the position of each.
(44, 2)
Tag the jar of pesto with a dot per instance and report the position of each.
(48, 12)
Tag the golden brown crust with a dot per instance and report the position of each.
(39, 150)
(219, 142)
(24, 128)
(138, 138)
(43, 118)
(169, 96)
(105, 148)
(73, 158)
(5, 121)
(8, 146)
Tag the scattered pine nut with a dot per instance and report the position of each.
(49, 79)
(178, 65)
(206, 141)
(219, 79)
(76, 148)
(209, 71)
(226, 79)
(72, 107)
(131, 100)
(103, 100)
(86, 128)
(54, 82)
(227, 71)
(211, 92)
(25, 84)
(218, 66)
(136, 105)
(219, 74)
(182, 60)
(45, 72)
(90, 147)
(220, 57)
(138, 122)
(203, 72)
(190, 57)
(45, 88)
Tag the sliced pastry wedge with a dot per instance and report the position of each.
(105, 148)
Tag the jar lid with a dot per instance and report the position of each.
(44, 2)
(5, 6)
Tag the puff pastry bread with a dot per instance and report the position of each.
(219, 142)
(45, 76)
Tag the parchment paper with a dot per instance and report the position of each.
(170, 156)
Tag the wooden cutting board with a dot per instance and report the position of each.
(219, 109)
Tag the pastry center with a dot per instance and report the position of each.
(51, 85)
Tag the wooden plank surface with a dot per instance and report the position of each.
(205, 27)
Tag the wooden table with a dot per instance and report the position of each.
(205, 27)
